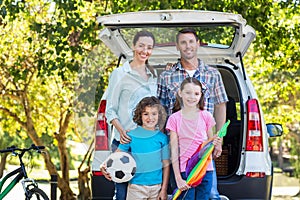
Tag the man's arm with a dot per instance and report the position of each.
(220, 115)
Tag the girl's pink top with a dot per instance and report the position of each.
(191, 133)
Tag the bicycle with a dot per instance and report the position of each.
(30, 186)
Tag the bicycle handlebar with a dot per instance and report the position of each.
(14, 148)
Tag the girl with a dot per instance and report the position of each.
(128, 84)
(149, 147)
(189, 126)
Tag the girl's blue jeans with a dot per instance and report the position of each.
(202, 191)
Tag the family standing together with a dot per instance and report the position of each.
(194, 98)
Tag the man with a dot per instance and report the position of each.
(187, 43)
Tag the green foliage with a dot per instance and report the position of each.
(93, 79)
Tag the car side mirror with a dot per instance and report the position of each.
(274, 129)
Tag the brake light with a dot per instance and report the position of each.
(254, 140)
(255, 174)
(97, 173)
(101, 142)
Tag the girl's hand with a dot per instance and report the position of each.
(182, 185)
(104, 172)
(218, 147)
(124, 138)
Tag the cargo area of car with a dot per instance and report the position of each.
(228, 163)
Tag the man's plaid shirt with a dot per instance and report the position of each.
(170, 80)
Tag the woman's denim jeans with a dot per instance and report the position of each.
(120, 188)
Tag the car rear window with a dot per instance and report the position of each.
(210, 36)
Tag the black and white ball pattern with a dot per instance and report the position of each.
(121, 166)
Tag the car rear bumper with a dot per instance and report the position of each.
(242, 187)
(237, 188)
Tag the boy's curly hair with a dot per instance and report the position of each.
(151, 102)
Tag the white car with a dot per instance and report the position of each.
(245, 169)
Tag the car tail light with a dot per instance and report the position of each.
(97, 173)
(255, 174)
(254, 140)
(101, 132)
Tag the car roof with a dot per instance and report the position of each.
(225, 35)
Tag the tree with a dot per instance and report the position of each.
(42, 46)
(275, 70)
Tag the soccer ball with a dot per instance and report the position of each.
(121, 166)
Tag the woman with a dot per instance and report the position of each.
(127, 86)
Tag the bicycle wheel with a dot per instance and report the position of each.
(36, 194)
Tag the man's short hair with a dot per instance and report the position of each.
(187, 30)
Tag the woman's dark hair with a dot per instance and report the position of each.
(151, 102)
(178, 102)
(145, 33)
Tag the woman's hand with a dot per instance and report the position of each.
(104, 172)
(169, 66)
(124, 138)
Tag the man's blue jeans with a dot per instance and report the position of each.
(214, 194)
(120, 188)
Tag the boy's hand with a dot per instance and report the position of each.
(162, 195)
(104, 172)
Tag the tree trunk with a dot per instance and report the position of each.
(64, 185)
(83, 184)
(3, 163)
(63, 153)
(83, 178)
(280, 153)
